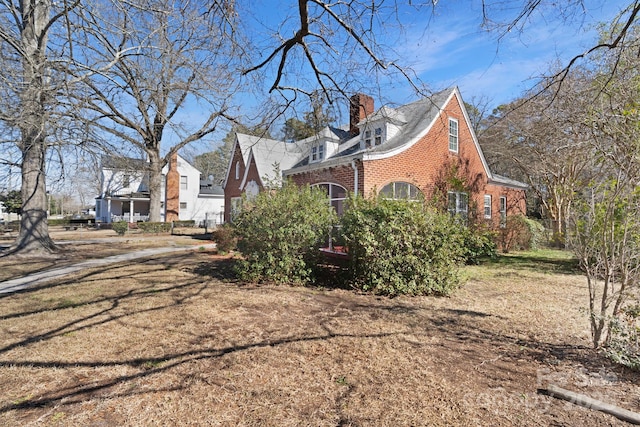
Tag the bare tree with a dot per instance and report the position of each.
(173, 91)
(545, 138)
(37, 55)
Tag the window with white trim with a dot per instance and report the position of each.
(401, 191)
(236, 207)
(367, 138)
(378, 136)
(183, 205)
(183, 182)
(503, 211)
(317, 153)
(458, 204)
(337, 195)
(453, 135)
(238, 170)
(487, 206)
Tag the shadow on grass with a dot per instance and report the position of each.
(555, 262)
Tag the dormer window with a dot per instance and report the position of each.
(378, 139)
(317, 153)
(367, 138)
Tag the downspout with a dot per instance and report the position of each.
(355, 177)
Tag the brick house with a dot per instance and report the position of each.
(423, 149)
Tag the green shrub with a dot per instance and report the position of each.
(225, 238)
(154, 227)
(187, 223)
(280, 233)
(479, 243)
(57, 221)
(624, 338)
(537, 234)
(120, 227)
(400, 247)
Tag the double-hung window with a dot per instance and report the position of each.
(453, 135)
(317, 153)
(458, 204)
(183, 182)
(487, 206)
(503, 211)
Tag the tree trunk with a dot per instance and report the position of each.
(155, 186)
(34, 229)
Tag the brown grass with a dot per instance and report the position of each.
(171, 341)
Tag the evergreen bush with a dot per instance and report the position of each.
(154, 227)
(402, 247)
(280, 232)
(120, 227)
(225, 238)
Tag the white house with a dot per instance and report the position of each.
(125, 192)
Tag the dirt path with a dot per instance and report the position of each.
(21, 283)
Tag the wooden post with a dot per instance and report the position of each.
(588, 402)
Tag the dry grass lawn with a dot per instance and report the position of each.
(173, 341)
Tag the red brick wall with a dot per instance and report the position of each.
(428, 163)
(342, 175)
(232, 188)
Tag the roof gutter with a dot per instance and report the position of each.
(355, 177)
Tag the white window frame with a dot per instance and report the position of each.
(461, 208)
(184, 182)
(503, 211)
(333, 198)
(317, 153)
(410, 189)
(235, 208)
(238, 169)
(453, 135)
(183, 206)
(487, 206)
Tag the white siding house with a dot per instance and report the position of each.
(125, 193)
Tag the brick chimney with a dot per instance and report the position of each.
(172, 204)
(361, 106)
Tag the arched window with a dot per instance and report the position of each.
(337, 195)
(238, 170)
(401, 190)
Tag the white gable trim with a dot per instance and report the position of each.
(230, 165)
(412, 142)
(454, 93)
(246, 171)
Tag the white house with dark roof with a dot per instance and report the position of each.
(125, 193)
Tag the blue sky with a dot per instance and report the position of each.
(447, 46)
(454, 50)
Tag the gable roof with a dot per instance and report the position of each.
(268, 154)
(414, 121)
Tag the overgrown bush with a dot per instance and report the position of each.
(537, 234)
(401, 247)
(624, 338)
(479, 243)
(225, 238)
(187, 223)
(280, 233)
(515, 234)
(154, 227)
(120, 227)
